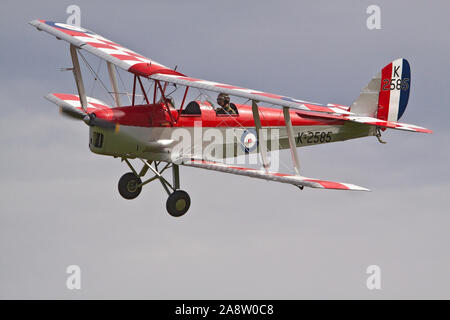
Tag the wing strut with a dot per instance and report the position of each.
(113, 79)
(290, 133)
(261, 136)
(78, 78)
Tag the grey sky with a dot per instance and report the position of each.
(242, 238)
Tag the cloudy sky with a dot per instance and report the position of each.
(242, 238)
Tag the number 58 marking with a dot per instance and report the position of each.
(396, 84)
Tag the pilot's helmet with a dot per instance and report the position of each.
(223, 97)
(170, 102)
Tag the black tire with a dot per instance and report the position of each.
(178, 203)
(127, 186)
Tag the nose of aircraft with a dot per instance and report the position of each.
(102, 119)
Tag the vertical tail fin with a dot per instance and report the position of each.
(394, 90)
(386, 95)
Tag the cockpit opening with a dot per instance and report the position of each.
(193, 108)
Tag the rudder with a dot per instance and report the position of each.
(394, 90)
(387, 94)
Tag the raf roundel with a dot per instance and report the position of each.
(249, 141)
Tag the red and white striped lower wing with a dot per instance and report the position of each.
(273, 176)
(71, 103)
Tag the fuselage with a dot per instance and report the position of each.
(153, 131)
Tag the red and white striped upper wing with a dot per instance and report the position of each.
(133, 62)
(108, 50)
(249, 94)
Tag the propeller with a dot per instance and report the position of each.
(90, 119)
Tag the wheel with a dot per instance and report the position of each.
(178, 203)
(128, 186)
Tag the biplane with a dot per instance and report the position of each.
(145, 131)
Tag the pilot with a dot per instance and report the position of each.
(168, 102)
(223, 100)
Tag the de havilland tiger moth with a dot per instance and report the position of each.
(146, 131)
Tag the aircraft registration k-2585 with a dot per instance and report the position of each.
(145, 131)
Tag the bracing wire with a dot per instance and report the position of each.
(95, 79)
(123, 85)
(94, 74)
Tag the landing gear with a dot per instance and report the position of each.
(130, 186)
(178, 203)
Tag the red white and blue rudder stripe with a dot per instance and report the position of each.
(394, 90)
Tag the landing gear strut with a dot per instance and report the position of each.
(130, 186)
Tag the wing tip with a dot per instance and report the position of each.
(354, 187)
(323, 184)
(35, 22)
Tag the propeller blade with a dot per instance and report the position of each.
(72, 112)
(92, 120)
(66, 108)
